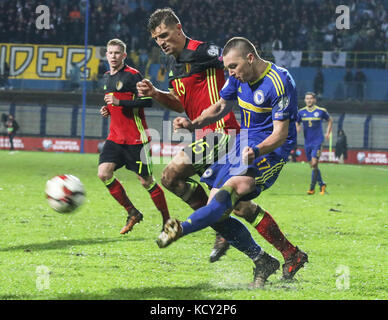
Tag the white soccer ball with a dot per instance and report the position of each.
(65, 193)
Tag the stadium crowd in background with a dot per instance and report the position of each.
(285, 25)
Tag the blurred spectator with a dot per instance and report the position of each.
(341, 146)
(97, 83)
(75, 77)
(134, 57)
(348, 80)
(143, 61)
(277, 44)
(12, 127)
(74, 14)
(3, 118)
(359, 80)
(319, 81)
(4, 77)
(161, 77)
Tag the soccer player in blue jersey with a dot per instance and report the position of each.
(268, 102)
(312, 116)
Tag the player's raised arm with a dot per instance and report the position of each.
(169, 100)
(276, 138)
(212, 114)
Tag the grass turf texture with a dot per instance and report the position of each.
(84, 257)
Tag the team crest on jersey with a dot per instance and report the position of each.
(212, 51)
(316, 114)
(258, 97)
(207, 173)
(119, 85)
(283, 102)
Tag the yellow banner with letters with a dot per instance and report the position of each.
(47, 62)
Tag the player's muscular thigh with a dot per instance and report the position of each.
(242, 185)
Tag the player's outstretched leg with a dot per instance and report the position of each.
(176, 178)
(172, 231)
(220, 205)
(238, 236)
(216, 214)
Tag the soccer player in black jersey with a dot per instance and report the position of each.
(128, 141)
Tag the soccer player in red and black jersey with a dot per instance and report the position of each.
(196, 75)
(127, 142)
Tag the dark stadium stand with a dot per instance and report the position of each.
(297, 24)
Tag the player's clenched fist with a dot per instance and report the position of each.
(182, 123)
(248, 155)
(145, 88)
(104, 111)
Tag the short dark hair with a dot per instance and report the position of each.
(241, 43)
(165, 15)
(310, 93)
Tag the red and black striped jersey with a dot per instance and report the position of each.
(127, 125)
(197, 76)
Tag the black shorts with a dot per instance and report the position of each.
(136, 157)
(204, 152)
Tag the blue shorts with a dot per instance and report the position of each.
(265, 169)
(313, 151)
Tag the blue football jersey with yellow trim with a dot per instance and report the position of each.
(271, 97)
(312, 124)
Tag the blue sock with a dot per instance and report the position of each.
(238, 236)
(319, 178)
(314, 176)
(209, 214)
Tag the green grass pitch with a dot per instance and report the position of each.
(47, 255)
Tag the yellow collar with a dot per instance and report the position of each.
(251, 83)
(312, 108)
